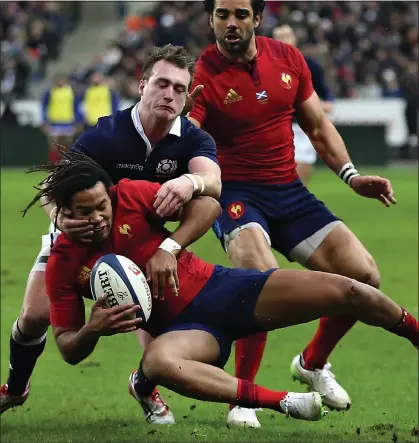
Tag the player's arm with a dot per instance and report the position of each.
(196, 218)
(76, 339)
(323, 134)
(204, 177)
(331, 148)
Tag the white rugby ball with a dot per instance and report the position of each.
(122, 281)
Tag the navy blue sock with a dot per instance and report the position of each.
(142, 385)
(24, 353)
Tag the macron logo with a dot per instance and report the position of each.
(129, 166)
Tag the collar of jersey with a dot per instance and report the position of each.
(135, 116)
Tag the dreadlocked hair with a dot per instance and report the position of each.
(75, 172)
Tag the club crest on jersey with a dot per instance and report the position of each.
(166, 167)
(286, 78)
(262, 97)
(125, 230)
(84, 275)
(236, 210)
(232, 97)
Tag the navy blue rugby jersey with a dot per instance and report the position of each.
(119, 145)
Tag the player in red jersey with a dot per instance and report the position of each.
(193, 322)
(253, 86)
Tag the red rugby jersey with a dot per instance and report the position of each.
(136, 233)
(248, 107)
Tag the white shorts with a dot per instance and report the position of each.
(46, 243)
(304, 150)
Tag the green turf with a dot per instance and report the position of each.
(89, 402)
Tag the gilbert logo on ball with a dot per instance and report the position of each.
(122, 281)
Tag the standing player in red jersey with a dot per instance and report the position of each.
(253, 86)
(193, 319)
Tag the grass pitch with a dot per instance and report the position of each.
(89, 402)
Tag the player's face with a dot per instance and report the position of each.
(94, 205)
(164, 93)
(234, 23)
(285, 34)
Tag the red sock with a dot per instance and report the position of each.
(249, 353)
(53, 156)
(253, 396)
(407, 328)
(330, 331)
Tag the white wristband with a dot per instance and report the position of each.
(51, 217)
(193, 180)
(348, 172)
(169, 245)
(202, 184)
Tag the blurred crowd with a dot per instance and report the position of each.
(368, 49)
(31, 35)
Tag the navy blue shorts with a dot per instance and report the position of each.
(224, 307)
(288, 213)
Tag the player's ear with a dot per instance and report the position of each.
(141, 87)
(256, 20)
(211, 22)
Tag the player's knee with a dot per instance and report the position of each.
(355, 294)
(249, 249)
(33, 322)
(369, 273)
(158, 364)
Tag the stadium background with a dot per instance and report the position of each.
(369, 51)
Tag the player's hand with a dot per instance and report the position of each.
(116, 320)
(191, 98)
(172, 196)
(77, 230)
(372, 186)
(161, 270)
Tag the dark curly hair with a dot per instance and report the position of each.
(75, 172)
(257, 5)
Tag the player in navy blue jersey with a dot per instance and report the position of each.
(305, 154)
(149, 141)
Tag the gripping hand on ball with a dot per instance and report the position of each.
(116, 320)
(161, 270)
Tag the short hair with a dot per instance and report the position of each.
(176, 55)
(257, 5)
(75, 172)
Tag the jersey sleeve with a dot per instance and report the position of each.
(305, 87)
(202, 145)
(66, 305)
(199, 111)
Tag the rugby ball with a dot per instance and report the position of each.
(122, 281)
